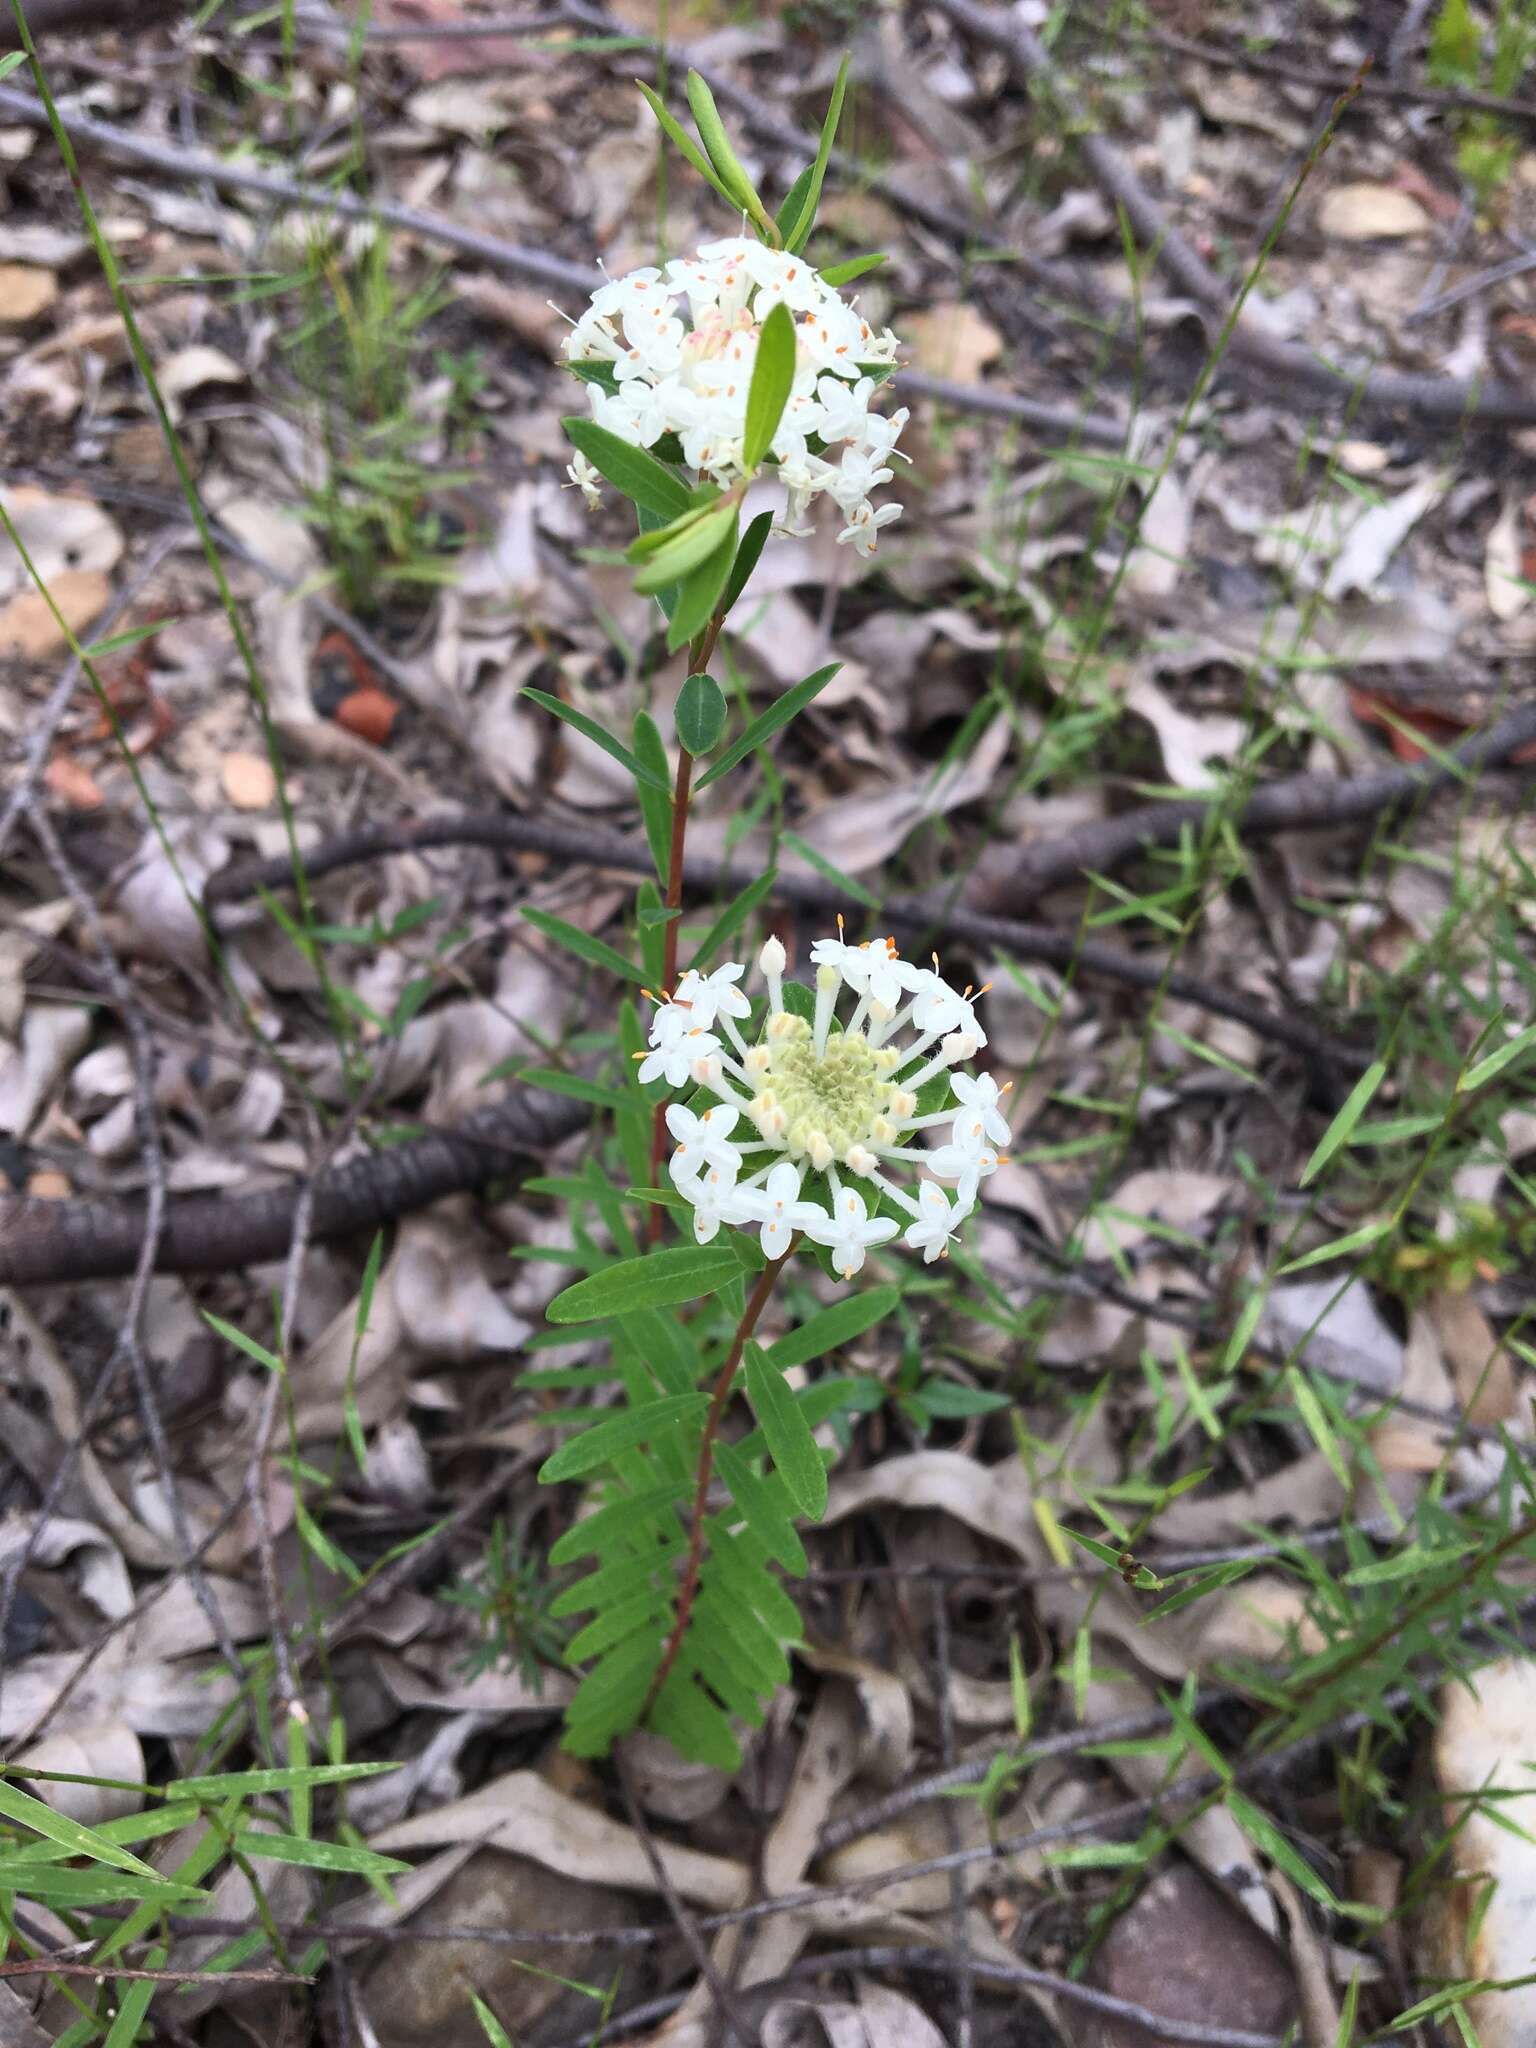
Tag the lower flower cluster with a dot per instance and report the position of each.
(818, 1094)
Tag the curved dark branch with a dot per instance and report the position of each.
(45, 1242)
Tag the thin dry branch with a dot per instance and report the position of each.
(1293, 370)
(933, 913)
(1293, 803)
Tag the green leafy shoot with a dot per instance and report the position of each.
(798, 233)
(727, 165)
(773, 720)
(773, 373)
(639, 476)
(600, 736)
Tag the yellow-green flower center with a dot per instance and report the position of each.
(822, 1106)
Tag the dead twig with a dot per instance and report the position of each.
(930, 914)
(1294, 370)
(1294, 803)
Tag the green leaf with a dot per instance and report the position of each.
(490, 2026)
(51, 1885)
(829, 872)
(312, 1855)
(728, 166)
(71, 1835)
(1338, 1132)
(693, 1724)
(13, 61)
(1264, 1835)
(600, 736)
(773, 372)
(700, 714)
(630, 469)
(241, 1342)
(577, 1086)
(620, 1432)
(1341, 1247)
(773, 720)
(661, 1279)
(856, 266)
(796, 237)
(655, 808)
(753, 541)
(1310, 1409)
(700, 593)
(679, 135)
(793, 204)
(694, 542)
(1496, 1062)
(763, 1512)
(846, 1319)
(582, 944)
(734, 916)
(246, 1784)
(790, 1443)
(1455, 45)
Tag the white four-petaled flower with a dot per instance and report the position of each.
(980, 1115)
(777, 1206)
(937, 1221)
(850, 1230)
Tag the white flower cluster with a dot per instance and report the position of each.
(816, 1093)
(690, 377)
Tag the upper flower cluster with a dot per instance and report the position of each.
(689, 376)
(819, 1094)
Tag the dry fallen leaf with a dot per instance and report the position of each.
(1364, 212)
(28, 625)
(952, 340)
(1477, 1928)
(1507, 594)
(71, 783)
(248, 781)
(24, 293)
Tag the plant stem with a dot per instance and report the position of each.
(757, 1301)
(669, 961)
(699, 655)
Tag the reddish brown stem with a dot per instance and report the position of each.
(669, 960)
(688, 1591)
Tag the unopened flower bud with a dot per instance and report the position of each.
(773, 959)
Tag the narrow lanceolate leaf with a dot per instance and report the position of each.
(797, 235)
(682, 140)
(1264, 1835)
(700, 592)
(621, 1432)
(764, 1507)
(582, 944)
(840, 1324)
(727, 165)
(313, 1855)
(638, 475)
(753, 541)
(685, 1272)
(856, 266)
(1339, 1131)
(733, 917)
(1496, 1062)
(27, 1812)
(794, 202)
(773, 720)
(773, 372)
(790, 1443)
(695, 540)
(600, 736)
(655, 804)
(700, 714)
